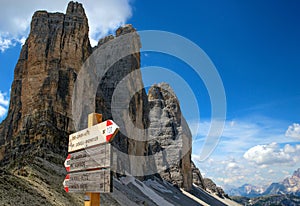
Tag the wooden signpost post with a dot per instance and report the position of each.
(89, 160)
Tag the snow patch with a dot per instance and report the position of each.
(155, 185)
(194, 198)
(146, 190)
(126, 180)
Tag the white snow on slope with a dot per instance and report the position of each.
(155, 185)
(146, 190)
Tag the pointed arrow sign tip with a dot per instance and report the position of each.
(67, 165)
(111, 130)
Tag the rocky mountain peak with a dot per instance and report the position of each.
(40, 107)
(156, 93)
(163, 94)
(297, 173)
(161, 91)
(170, 135)
(75, 8)
(127, 28)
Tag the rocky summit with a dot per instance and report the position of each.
(34, 135)
(39, 114)
(290, 185)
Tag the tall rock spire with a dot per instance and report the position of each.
(40, 110)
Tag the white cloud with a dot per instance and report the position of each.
(233, 166)
(3, 99)
(104, 16)
(196, 158)
(240, 134)
(256, 133)
(293, 131)
(2, 111)
(231, 172)
(226, 180)
(4, 102)
(272, 154)
(5, 43)
(289, 149)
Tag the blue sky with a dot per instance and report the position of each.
(255, 47)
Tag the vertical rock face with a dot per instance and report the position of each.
(170, 139)
(137, 108)
(40, 107)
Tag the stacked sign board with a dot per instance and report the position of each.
(89, 159)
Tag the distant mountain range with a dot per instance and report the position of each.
(290, 185)
(247, 190)
(286, 192)
(278, 200)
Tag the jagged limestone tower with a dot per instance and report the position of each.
(39, 115)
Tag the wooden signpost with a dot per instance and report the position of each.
(97, 181)
(89, 160)
(95, 135)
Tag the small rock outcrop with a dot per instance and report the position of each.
(197, 177)
(212, 187)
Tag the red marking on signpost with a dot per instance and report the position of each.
(98, 134)
(111, 129)
(67, 178)
(67, 165)
(89, 163)
(96, 157)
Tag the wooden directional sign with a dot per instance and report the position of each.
(91, 158)
(98, 181)
(95, 135)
